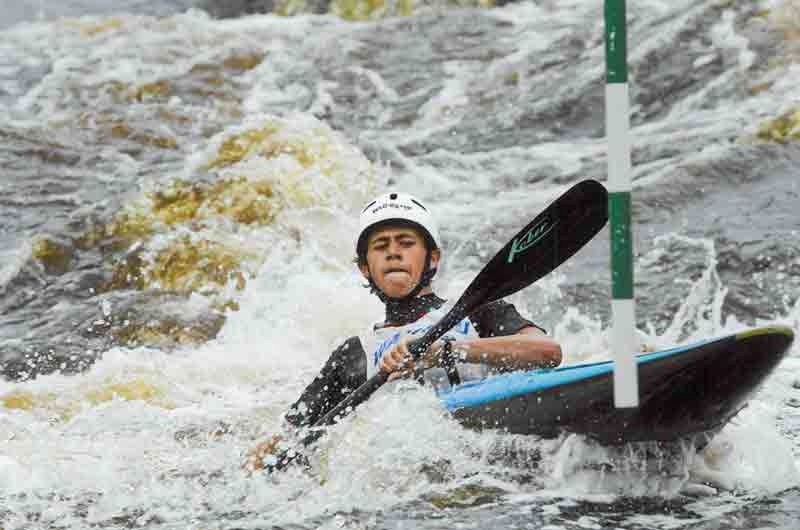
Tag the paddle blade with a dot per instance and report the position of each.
(551, 238)
(545, 243)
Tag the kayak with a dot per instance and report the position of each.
(685, 391)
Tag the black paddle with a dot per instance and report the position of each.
(549, 240)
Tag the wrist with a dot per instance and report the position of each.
(459, 352)
(447, 356)
(448, 359)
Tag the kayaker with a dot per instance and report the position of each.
(398, 253)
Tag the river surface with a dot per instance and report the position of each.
(179, 184)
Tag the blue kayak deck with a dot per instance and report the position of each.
(684, 379)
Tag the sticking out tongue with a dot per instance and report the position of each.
(397, 275)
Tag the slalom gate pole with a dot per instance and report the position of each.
(623, 332)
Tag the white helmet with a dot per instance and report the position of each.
(396, 206)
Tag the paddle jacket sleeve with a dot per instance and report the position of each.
(345, 371)
(498, 319)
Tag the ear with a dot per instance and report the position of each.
(436, 257)
(364, 271)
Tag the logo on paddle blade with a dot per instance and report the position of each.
(531, 237)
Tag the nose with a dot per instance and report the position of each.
(394, 251)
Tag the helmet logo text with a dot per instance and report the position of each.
(390, 205)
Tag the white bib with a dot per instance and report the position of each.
(380, 341)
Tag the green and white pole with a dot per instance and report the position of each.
(623, 331)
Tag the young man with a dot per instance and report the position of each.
(397, 252)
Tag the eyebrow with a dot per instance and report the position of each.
(401, 235)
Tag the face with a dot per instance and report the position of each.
(395, 260)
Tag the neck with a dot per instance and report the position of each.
(406, 311)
